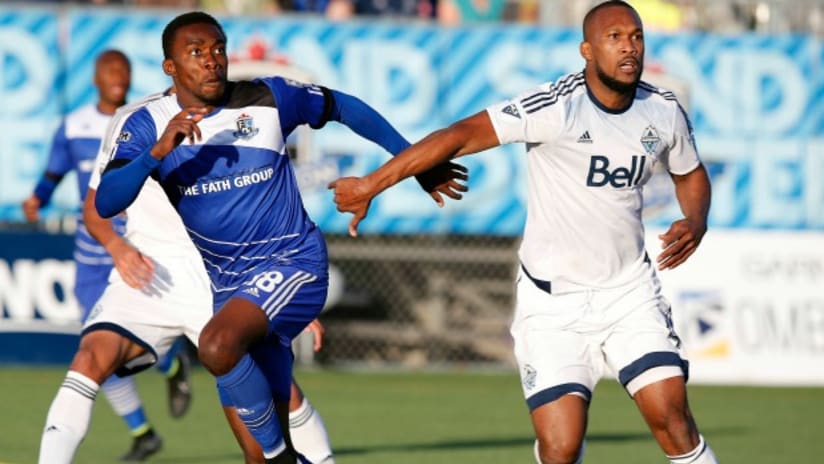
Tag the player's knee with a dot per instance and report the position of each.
(86, 362)
(675, 422)
(558, 451)
(218, 352)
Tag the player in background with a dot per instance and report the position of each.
(218, 149)
(588, 295)
(131, 324)
(74, 147)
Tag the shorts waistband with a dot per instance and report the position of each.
(544, 285)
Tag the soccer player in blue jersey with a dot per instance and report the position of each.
(588, 297)
(75, 147)
(218, 148)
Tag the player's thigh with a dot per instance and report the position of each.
(642, 347)
(102, 352)
(560, 426)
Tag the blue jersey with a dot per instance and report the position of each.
(235, 188)
(74, 148)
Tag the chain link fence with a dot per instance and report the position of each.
(420, 300)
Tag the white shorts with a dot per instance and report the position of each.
(565, 342)
(178, 302)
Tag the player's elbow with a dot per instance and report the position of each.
(106, 209)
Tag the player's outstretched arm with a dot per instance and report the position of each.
(134, 268)
(470, 135)
(683, 237)
(444, 179)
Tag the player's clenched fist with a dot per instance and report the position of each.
(352, 195)
(182, 126)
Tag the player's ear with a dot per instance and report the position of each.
(169, 68)
(586, 50)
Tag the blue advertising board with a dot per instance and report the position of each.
(39, 322)
(757, 104)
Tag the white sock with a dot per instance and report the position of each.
(702, 454)
(68, 419)
(309, 434)
(121, 392)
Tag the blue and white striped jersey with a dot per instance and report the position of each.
(586, 168)
(75, 148)
(235, 189)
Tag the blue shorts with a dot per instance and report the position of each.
(89, 284)
(291, 295)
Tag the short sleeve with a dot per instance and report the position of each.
(106, 145)
(531, 117)
(298, 103)
(137, 136)
(682, 157)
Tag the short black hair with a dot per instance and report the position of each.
(591, 13)
(110, 53)
(186, 19)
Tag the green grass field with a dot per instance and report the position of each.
(454, 417)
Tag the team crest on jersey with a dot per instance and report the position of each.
(512, 110)
(529, 377)
(650, 140)
(245, 127)
(124, 136)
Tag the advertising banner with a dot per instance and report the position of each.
(749, 307)
(39, 316)
(757, 105)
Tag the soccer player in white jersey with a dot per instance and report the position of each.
(587, 295)
(74, 147)
(160, 292)
(218, 148)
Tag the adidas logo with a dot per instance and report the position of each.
(252, 291)
(52, 428)
(585, 138)
(512, 110)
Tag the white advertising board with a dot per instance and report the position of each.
(749, 307)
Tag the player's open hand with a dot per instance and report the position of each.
(134, 267)
(444, 179)
(31, 208)
(352, 195)
(680, 242)
(181, 127)
(317, 330)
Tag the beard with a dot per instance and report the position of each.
(616, 85)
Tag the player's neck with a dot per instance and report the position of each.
(607, 97)
(107, 107)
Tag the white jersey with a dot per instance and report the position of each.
(153, 225)
(587, 166)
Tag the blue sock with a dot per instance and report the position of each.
(250, 393)
(168, 364)
(136, 420)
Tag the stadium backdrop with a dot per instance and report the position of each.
(754, 306)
